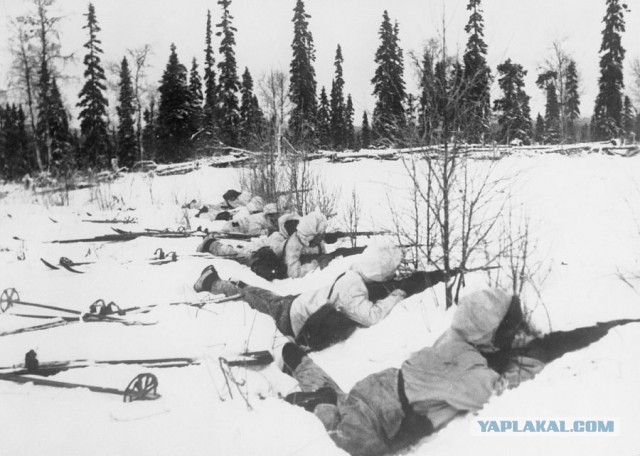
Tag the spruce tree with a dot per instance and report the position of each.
(607, 114)
(477, 75)
(4, 128)
(388, 82)
(228, 83)
(349, 130)
(428, 118)
(324, 121)
(338, 132)
(210, 88)
(514, 118)
(5, 147)
(14, 142)
(149, 132)
(628, 117)
(59, 129)
(302, 87)
(174, 111)
(365, 134)
(572, 103)
(93, 103)
(195, 89)
(546, 81)
(251, 117)
(127, 140)
(538, 134)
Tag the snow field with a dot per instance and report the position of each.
(582, 215)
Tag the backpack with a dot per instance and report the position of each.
(265, 263)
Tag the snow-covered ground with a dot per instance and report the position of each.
(583, 219)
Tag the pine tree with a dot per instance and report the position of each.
(127, 140)
(607, 114)
(477, 75)
(210, 88)
(572, 104)
(338, 133)
(366, 132)
(195, 89)
(228, 84)
(324, 120)
(93, 125)
(538, 134)
(514, 119)
(349, 130)
(174, 110)
(251, 117)
(302, 87)
(37, 63)
(388, 82)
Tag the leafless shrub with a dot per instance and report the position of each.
(290, 183)
(351, 216)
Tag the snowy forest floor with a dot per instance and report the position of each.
(583, 212)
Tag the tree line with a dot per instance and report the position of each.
(191, 115)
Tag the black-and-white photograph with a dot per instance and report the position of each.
(319, 227)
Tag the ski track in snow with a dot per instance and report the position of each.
(583, 217)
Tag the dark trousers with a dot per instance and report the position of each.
(276, 306)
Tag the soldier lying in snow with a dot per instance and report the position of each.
(260, 223)
(265, 256)
(265, 253)
(307, 240)
(362, 296)
(475, 358)
(254, 219)
(232, 200)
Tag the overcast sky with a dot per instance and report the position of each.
(522, 30)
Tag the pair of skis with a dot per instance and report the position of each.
(99, 311)
(67, 264)
(160, 258)
(141, 387)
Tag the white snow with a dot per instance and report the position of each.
(583, 218)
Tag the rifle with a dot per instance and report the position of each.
(555, 344)
(325, 258)
(332, 238)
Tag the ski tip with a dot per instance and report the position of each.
(49, 265)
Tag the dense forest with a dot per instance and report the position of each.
(200, 110)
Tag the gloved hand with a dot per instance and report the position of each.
(324, 261)
(442, 275)
(203, 210)
(224, 215)
(330, 238)
(415, 283)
